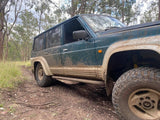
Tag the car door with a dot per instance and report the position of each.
(53, 49)
(78, 56)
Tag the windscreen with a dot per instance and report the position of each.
(102, 22)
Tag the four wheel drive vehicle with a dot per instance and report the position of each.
(98, 49)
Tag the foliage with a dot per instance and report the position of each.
(121, 9)
(23, 35)
(147, 11)
(41, 8)
(151, 14)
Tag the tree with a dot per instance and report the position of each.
(150, 13)
(48, 21)
(24, 34)
(5, 22)
(121, 9)
(41, 8)
(81, 7)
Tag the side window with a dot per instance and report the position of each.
(39, 43)
(69, 27)
(53, 37)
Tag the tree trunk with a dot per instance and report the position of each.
(73, 7)
(83, 8)
(6, 50)
(1, 46)
(40, 20)
(1, 33)
(123, 11)
(159, 10)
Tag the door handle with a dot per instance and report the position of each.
(65, 50)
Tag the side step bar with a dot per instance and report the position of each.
(79, 80)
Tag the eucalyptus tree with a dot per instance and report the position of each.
(24, 33)
(121, 9)
(9, 11)
(147, 11)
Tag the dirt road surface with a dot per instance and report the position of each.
(59, 102)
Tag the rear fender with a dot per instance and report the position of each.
(43, 63)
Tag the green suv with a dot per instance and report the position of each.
(99, 49)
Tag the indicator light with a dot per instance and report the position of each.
(99, 51)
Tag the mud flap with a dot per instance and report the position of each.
(109, 86)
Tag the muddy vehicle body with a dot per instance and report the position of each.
(98, 49)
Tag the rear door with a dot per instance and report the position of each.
(52, 53)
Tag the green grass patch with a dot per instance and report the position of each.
(10, 74)
(23, 63)
(1, 105)
(12, 109)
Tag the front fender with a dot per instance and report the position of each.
(146, 43)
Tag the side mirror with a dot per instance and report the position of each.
(80, 34)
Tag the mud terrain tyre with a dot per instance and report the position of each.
(136, 94)
(42, 79)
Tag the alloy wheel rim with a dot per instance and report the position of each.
(40, 73)
(145, 103)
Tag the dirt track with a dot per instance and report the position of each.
(58, 102)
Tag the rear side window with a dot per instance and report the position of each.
(39, 43)
(48, 39)
(53, 37)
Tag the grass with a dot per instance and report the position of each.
(22, 63)
(12, 109)
(1, 105)
(10, 73)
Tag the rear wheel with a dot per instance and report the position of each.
(42, 79)
(136, 94)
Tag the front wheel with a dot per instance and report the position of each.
(42, 79)
(136, 94)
